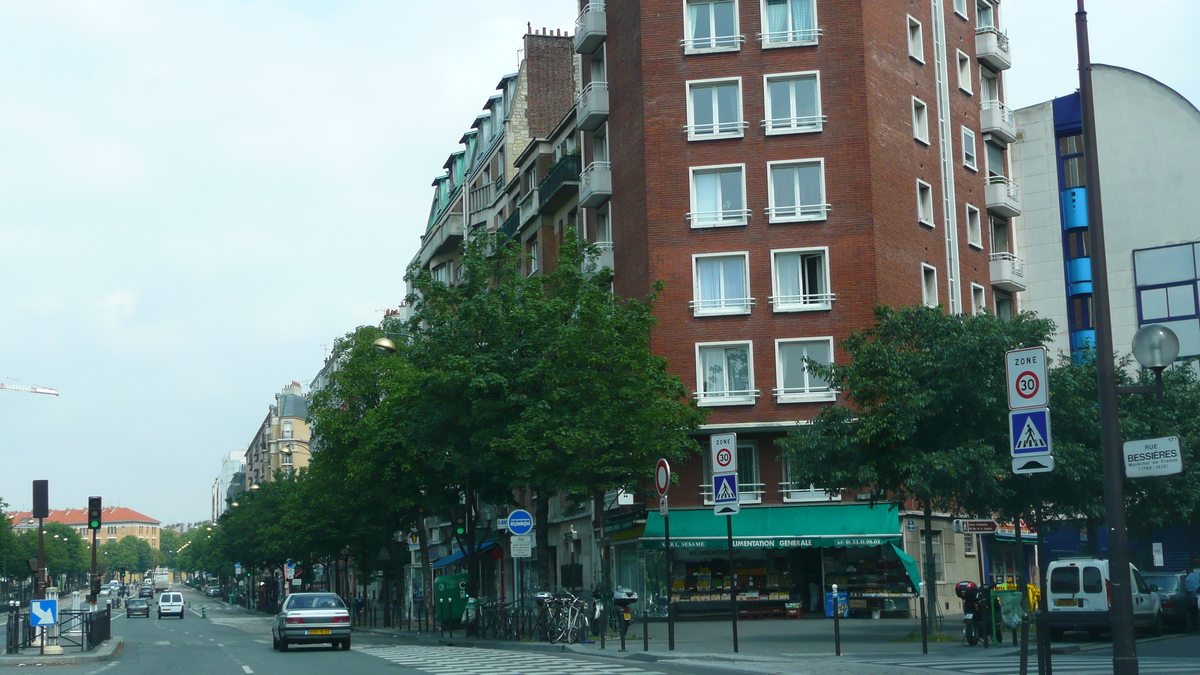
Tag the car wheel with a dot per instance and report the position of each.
(1057, 634)
(283, 645)
(274, 642)
(160, 616)
(1190, 623)
(346, 644)
(1157, 628)
(1094, 633)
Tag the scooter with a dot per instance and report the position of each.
(977, 611)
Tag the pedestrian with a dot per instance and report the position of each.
(1192, 581)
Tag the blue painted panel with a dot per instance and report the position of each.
(1082, 338)
(1083, 288)
(1079, 270)
(1074, 208)
(1068, 114)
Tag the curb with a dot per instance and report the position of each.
(106, 652)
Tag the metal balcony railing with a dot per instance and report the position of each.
(788, 125)
(802, 301)
(797, 491)
(731, 397)
(748, 493)
(1018, 263)
(722, 305)
(1001, 37)
(789, 38)
(565, 172)
(713, 44)
(719, 218)
(511, 224)
(783, 214)
(716, 130)
(1011, 189)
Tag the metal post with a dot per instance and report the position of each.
(1121, 615)
(1023, 586)
(1043, 617)
(645, 631)
(92, 599)
(40, 594)
(732, 580)
(670, 583)
(671, 607)
(924, 623)
(837, 624)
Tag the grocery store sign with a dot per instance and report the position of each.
(719, 543)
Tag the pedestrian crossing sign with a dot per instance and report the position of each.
(1030, 432)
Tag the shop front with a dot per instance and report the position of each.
(785, 559)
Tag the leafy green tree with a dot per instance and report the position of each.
(169, 542)
(925, 414)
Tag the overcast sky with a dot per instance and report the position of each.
(196, 198)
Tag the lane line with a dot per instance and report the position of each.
(247, 669)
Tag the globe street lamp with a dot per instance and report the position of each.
(384, 346)
(1155, 347)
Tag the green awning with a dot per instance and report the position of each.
(910, 566)
(780, 527)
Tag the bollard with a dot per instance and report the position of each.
(837, 624)
(204, 612)
(924, 627)
(671, 626)
(645, 631)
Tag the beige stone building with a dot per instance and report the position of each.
(281, 442)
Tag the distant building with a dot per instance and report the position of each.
(230, 482)
(116, 522)
(281, 442)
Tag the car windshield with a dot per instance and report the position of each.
(1166, 584)
(137, 603)
(323, 601)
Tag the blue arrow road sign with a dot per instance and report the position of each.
(725, 488)
(520, 522)
(1029, 431)
(43, 612)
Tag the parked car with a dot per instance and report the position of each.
(170, 604)
(212, 591)
(308, 618)
(137, 607)
(146, 592)
(1178, 606)
(1079, 597)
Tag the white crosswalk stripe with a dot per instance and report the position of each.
(1067, 665)
(471, 661)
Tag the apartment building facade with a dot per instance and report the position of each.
(117, 522)
(281, 442)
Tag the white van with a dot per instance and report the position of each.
(1079, 597)
(170, 604)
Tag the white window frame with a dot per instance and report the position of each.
(727, 305)
(750, 490)
(929, 272)
(805, 396)
(978, 298)
(740, 125)
(916, 40)
(925, 203)
(794, 40)
(688, 43)
(920, 120)
(693, 216)
(797, 125)
(964, 77)
(750, 395)
(939, 555)
(960, 8)
(969, 159)
(974, 227)
(991, 9)
(823, 302)
(812, 493)
(804, 213)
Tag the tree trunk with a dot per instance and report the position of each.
(606, 586)
(426, 568)
(541, 530)
(930, 570)
(470, 554)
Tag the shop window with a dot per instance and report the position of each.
(939, 561)
(750, 490)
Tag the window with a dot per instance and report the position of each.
(796, 191)
(924, 203)
(920, 120)
(1093, 580)
(989, 85)
(725, 373)
(1065, 580)
(797, 383)
(711, 26)
(968, 544)
(964, 71)
(1167, 280)
(603, 227)
(287, 428)
(533, 256)
(793, 103)
(286, 460)
(916, 41)
(939, 557)
(714, 110)
(960, 8)
(718, 197)
(441, 273)
(970, 159)
(1004, 304)
(1079, 243)
(999, 235)
(800, 280)
(978, 299)
(1070, 156)
(750, 490)
(974, 227)
(995, 158)
(796, 489)
(789, 23)
(721, 284)
(929, 289)
(985, 16)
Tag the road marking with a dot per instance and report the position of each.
(247, 669)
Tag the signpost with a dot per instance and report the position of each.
(1029, 435)
(981, 526)
(522, 545)
(726, 503)
(1153, 457)
(662, 483)
(1027, 383)
(43, 613)
(520, 522)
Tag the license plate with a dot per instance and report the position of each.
(628, 616)
(318, 631)
(1071, 602)
(968, 617)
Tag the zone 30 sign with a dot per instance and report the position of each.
(1027, 383)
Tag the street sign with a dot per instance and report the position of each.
(1153, 457)
(1035, 464)
(1029, 432)
(522, 546)
(980, 526)
(662, 477)
(43, 612)
(502, 523)
(662, 506)
(724, 453)
(725, 494)
(520, 522)
(1026, 374)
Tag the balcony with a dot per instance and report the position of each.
(444, 239)
(1003, 197)
(529, 206)
(1008, 272)
(560, 183)
(592, 106)
(997, 119)
(606, 255)
(991, 46)
(481, 198)
(510, 226)
(591, 27)
(748, 493)
(595, 184)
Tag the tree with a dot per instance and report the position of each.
(169, 542)
(925, 414)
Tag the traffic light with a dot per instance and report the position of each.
(94, 513)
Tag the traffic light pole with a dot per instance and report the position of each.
(92, 599)
(41, 566)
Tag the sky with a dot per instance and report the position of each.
(197, 198)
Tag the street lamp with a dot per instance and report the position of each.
(1155, 347)
(254, 486)
(384, 346)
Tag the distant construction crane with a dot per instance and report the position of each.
(32, 390)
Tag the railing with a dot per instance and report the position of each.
(585, 178)
(802, 301)
(722, 305)
(782, 38)
(796, 491)
(1018, 263)
(18, 634)
(528, 205)
(510, 226)
(1010, 188)
(1006, 113)
(481, 198)
(716, 129)
(748, 493)
(590, 7)
(719, 218)
(801, 391)
(714, 43)
(731, 397)
(794, 124)
(783, 214)
(565, 170)
(1001, 38)
(593, 86)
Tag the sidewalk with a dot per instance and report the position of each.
(30, 657)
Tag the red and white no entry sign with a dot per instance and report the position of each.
(1026, 374)
(724, 453)
(662, 477)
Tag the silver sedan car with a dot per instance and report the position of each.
(309, 618)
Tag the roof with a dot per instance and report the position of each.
(111, 516)
(293, 405)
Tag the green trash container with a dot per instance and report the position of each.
(450, 598)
